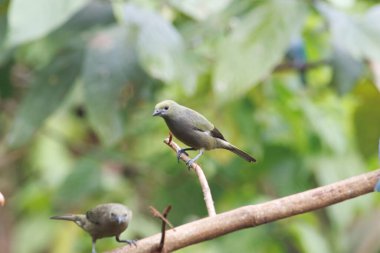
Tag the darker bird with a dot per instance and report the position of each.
(194, 130)
(105, 220)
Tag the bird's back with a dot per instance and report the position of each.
(192, 128)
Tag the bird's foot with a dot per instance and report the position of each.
(189, 163)
(180, 152)
(130, 242)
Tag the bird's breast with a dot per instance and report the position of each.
(189, 135)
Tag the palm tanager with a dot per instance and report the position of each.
(194, 130)
(105, 220)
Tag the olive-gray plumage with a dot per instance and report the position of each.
(105, 220)
(194, 130)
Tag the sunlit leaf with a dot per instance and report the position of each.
(357, 35)
(257, 43)
(375, 67)
(160, 47)
(199, 9)
(45, 95)
(30, 20)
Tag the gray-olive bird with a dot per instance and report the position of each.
(194, 130)
(105, 220)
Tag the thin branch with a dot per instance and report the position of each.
(162, 216)
(255, 215)
(165, 222)
(297, 66)
(201, 176)
(2, 199)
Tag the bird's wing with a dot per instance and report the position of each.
(198, 120)
(93, 216)
(215, 133)
(202, 124)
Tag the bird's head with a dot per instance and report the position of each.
(164, 108)
(120, 217)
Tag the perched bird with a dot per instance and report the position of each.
(194, 130)
(105, 220)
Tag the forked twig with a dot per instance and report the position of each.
(165, 222)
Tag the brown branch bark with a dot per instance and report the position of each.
(305, 66)
(254, 215)
(201, 176)
(2, 199)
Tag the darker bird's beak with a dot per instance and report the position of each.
(121, 219)
(157, 112)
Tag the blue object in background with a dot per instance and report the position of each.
(296, 54)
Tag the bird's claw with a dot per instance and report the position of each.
(130, 242)
(189, 163)
(179, 153)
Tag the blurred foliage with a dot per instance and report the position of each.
(294, 83)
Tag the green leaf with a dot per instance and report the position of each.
(199, 9)
(346, 71)
(160, 47)
(328, 118)
(29, 20)
(110, 64)
(46, 94)
(258, 42)
(310, 238)
(357, 35)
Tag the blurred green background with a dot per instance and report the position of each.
(294, 83)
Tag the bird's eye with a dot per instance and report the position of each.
(113, 215)
(166, 107)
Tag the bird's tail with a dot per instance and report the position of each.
(69, 217)
(240, 153)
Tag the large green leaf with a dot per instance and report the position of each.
(357, 35)
(110, 64)
(160, 47)
(257, 43)
(346, 71)
(29, 20)
(46, 94)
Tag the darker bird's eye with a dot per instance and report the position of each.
(166, 107)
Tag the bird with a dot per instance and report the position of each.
(104, 220)
(194, 130)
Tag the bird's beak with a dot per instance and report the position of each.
(121, 219)
(157, 112)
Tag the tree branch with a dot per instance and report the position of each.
(296, 66)
(2, 199)
(201, 176)
(254, 215)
